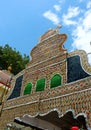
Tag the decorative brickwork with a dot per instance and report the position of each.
(50, 62)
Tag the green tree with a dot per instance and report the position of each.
(11, 56)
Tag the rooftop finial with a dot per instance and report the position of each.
(58, 27)
(9, 68)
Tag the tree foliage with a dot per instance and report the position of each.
(11, 56)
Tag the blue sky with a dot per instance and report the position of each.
(22, 22)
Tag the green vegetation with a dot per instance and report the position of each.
(11, 56)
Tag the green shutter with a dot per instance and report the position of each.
(40, 85)
(28, 89)
(55, 81)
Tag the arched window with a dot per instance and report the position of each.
(28, 88)
(55, 81)
(40, 85)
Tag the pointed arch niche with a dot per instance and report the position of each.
(28, 88)
(56, 81)
(40, 85)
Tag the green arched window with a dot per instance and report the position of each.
(55, 81)
(28, 89)
(40, 85)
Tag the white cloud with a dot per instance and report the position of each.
(57, 7)
(89, 5)
(52, 16)
(72, 13)
(68, 21)
(82, 34)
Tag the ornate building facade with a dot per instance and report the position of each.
(53, 92)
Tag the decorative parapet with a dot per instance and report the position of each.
(50, 45)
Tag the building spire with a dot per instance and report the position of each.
(58, 27)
